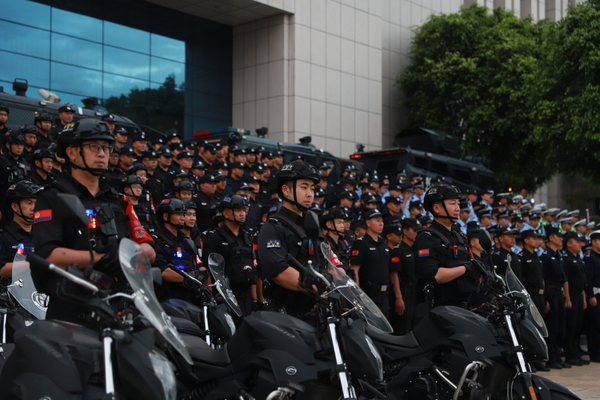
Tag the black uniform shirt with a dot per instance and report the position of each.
(500, 258)
(205, 204)
(533, 272)
(10, 237)
(592, 266)
(575, 272)
(554, 272)
(373, 257)
(408, 272)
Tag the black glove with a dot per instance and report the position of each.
(110, 265)
(472, 272)
(256, 306)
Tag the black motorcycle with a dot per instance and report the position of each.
(454, 353)
(121, 359)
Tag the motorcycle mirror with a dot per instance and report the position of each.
(485, 240)
(311, 226)
(156, 274)
(70, 208)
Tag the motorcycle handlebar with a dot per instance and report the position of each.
(39, 262)
(296, 264)
(185, 275)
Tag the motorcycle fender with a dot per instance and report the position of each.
(543, 388)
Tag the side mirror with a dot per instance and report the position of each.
(70, 208)
(311, 226)
(485, 240)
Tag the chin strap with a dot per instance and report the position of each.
(93, 171)
(340, 234)
(29, 220)
(452, 219)
(295, 202)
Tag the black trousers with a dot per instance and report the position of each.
(555, 322)
(381, 300)
(573, 326)
(593, 329)
(402, 324)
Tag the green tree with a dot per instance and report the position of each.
(161, 109)
(471, 75)
(567, 99)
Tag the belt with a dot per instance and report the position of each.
(535, 291)
(381, 288)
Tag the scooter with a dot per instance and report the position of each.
(123, 359)
(455, 354)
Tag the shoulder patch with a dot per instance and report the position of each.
(395, 259)
(423, 252)
(42, 216)
(273, 244)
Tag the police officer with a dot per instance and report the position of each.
(235, 245)
(153, 182)
(500, 256)
(42, 166)
(132, 187)
(284, 234)
(533, 271)
(171, 250)
(43, 121)
(554, 278)
(13, 167)
(370, 260)
(206, 202)
(30, 132)
(109, 120)
(85, 145)
(443, 263)
(4, 111)
(575, 297)
(592, 265)
(65, 113)
(332, 223)
(16, 236)
(114, 173)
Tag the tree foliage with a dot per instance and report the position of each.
(161, 108)
(472, 75)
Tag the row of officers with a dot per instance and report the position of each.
(403, 266)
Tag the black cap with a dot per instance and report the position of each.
(122, 131)
(176, 146)
(66, 107)
(127, 151)
(530, 233)
(207, 178)
(141, 135)
(359, 223)
(210, 148)
(108, 117)
(198, 165)
(148, 154)
(237, 165)
(505, 230)
(393, 199)
(572, 235)
(397, 229)
(184, 154)
(550, 230)
(415, 204)
(257, 168)
(164, 151)
(372, 213)
(345, 194)
(411, 223)
(324, 166)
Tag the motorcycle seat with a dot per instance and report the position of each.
(188, 327)
(408, 341)
(205, 354)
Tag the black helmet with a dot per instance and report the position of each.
(81, 130)
(438, 194)
(171, 206)
(42, 153)
(43, 117)
(14, 137)
(231, 202)
(28, 129)
(333, 213)
(130, 180)
(21, 190)
(136, 167)
(183, 185)
(4, 107)
(293, 172)
(190, 204)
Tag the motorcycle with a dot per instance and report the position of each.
(276, 356)
(454, 353)
(123, 359)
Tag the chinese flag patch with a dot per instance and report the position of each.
(395, 259)
(42, 216)
(354, 252)
(423, 253)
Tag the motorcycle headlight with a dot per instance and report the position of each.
(377, 356)
(230, 323)
(164, 372)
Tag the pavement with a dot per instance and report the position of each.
(583, 381)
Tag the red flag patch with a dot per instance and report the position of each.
(354, 252)
(424, 253)
(395, 259)
(42, 216)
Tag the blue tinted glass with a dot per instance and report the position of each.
(36, 71)
(76, 25)
(70, 98)
(167, 48)
(76, 51)
(115, 85)
(126, 63)
(76, 80)
(14, 36)
(160, 69)
(127, 38)
(26, 12)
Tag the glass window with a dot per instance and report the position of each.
(78, 52)
(167, 48)
(26, 12)
(116, 85)
(70, 98)
(76, 25)
(76, 80)
(126, 38)
(160, 69)
(128, 63)
(14, 36)
(36, 71)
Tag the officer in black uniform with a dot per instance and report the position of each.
(13, 168)
(4, 111)
(554, 278)
(65, 113)
(592, 265)
(332, 223)
(444, 267)
(370, 260)
(500, 256)
(575, 297)
(114, 173)
(41, 165)
(284, 234)
(132, 187)
(30, 132)
(235, 245)
(43, 121)
(206, 202)
(16, 236)
(85, 145)
(533, 271)
(171, 249)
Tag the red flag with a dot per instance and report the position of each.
(138, 233)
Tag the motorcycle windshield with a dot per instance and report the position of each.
(23, 289)
(136, 267)
(514, 285)
(216, 264)
(354, 294)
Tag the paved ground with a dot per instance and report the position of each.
(583, 381)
